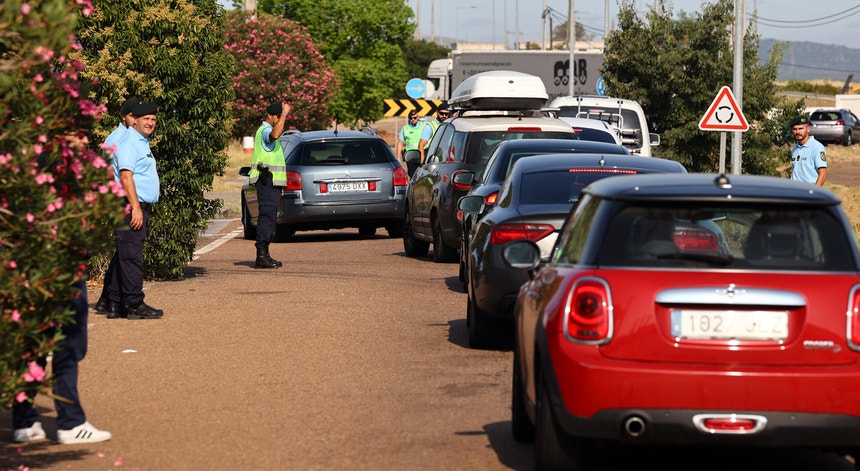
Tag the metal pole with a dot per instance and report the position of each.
(738, 85)
(517, 23)
(571, 41)
(605, 23)
(543, 27)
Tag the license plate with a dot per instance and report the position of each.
(730, 325)
(340, 187)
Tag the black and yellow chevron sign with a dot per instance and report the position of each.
(403, 107)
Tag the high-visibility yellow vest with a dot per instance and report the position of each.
(274, 160)
(411, 136)
(434, 125)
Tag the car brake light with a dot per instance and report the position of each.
(371, 186)
(294, 181)
(854, 318)
(504, 233)
(490, 199)
(323, 187)
(459, 186)
(524, 129)
(726, 424)
(588, 311)
(400, 177)
(695, 240)
(602, 170)
(840, 123)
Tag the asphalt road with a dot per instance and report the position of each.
(358, 361)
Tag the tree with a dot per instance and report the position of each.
(170, 52)
(418, 54)
(362, 42)
(678, 66)
(52, 190)
(276, 59)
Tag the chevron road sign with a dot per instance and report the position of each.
(403, 107)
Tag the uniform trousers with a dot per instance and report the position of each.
(126, 282)
(72, 349)
(268, 199)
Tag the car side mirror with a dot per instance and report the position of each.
(412, 156)
(464, 179)
(655, 139)
(521, 255)
(471, 204)
(245, 171)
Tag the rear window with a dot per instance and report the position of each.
(595, 135)
(482, 143)
(343, 152)
(627, 119)
(731, 237)
(825, 116)
(560, 187)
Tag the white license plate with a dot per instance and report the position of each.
(341, 187)
(730, 325)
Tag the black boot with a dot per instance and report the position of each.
(263, 259)
(277, 263)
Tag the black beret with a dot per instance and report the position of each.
(274, 108)
(127, 105)
(799, 120)
(144, 108)
(443, 106)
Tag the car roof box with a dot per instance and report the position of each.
(500, 90)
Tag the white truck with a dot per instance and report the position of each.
(553, 67)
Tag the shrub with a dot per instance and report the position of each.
(277, 61)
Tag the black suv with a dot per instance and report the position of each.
(462, 144)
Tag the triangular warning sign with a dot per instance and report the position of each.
(724, 114)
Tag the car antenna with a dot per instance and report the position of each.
(722, 181)
(602, 161)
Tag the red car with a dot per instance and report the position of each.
(690, 310)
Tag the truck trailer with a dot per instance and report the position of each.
(553, 67)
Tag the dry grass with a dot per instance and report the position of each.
(844, 171)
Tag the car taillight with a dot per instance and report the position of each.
(504, 233)
(588, 312)
(854, 318)
(840, 123)
(524, 129)
(400, 177)
(490, 199)
(603, 170)
(695, 240)
(323, 187)
(294, 181)
(460, 186)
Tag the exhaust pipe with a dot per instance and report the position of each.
(634, 426)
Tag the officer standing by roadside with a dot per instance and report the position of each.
(808, 155)
(136, 171)
(126, 119)
(431, 126)
(269, 176)
(408, 139)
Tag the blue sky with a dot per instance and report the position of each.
(785, 20)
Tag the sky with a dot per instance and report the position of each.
(825, 22)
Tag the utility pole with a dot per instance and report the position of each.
(571, 41)
(738, 83)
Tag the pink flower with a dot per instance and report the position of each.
(30, 217)
(25, 8)
(21, 396)
(34, 373)
(16, 315)
(13, 264)
(40, 120)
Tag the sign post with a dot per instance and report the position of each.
(724, 115)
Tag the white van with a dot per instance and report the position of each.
(625, 115)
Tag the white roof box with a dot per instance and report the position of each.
(500, 90)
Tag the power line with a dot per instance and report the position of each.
(810, 20)
(814, 23)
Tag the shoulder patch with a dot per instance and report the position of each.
(823, 158)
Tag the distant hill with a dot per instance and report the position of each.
(810, 61)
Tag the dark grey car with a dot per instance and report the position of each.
(533, 204)
(335, 179)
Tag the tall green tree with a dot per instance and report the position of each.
(363, 42)
(53, 190)
(170, 52)
(677, 68)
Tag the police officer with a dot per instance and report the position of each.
(408, 139)
(808, 155)
(269, 176)
(431, 126)
(136, 170)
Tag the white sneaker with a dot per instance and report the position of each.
(84, 433)
(24, 435)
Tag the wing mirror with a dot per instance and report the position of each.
(412, 156)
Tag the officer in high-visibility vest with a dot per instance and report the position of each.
(408, 139)
(431, 126)
(269, 176)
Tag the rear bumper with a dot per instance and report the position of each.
(593, 397)
(828, 134)
(294, 212)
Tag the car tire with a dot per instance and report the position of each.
(482, 329)
(441, 252)
(249, 231)
(412, 246)
(549, 453)
(522, 427)
(367, 230)
(395, 230)
(847, 140)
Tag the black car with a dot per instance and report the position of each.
(335, 179)
(463, 143)
(487, 183)
(533, 203)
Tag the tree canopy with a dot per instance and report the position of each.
(677, 67)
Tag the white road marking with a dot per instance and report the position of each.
(214, 245)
